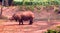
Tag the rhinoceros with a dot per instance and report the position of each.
(23, 16)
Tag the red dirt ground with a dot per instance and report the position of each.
(13, 27)
(36, 27)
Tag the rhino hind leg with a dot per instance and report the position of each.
(31, 21)
(22, 22)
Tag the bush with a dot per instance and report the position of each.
(57, 30)
(56, 11)
(30, 8)
(28, 3)
(51, 31)
(18, 3)
(39, 3)
(54, 3)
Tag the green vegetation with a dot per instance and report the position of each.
(56, 11)
(57, 30)
(31, 8)
(52, 31)
(58, 26)
(37, 2)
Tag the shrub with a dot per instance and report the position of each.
(51, 31)
(44, 3)
(18, 3)
(56, 11)
(30, 8)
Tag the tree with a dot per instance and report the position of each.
(31, 2)
(1, 7)
(5, 2)
(23, 2)
(10, 2)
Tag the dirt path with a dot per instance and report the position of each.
(13, 27)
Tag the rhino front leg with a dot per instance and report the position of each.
(20, 21)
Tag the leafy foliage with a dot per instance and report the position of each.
(52, 31)
(37, 2)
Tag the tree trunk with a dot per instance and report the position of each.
(23, 2)
(10, 2)
(6, 2)
(1, 11)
